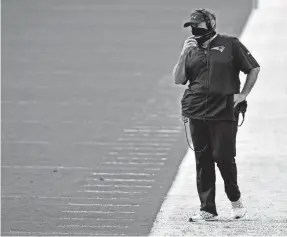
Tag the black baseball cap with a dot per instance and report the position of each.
(197, 16)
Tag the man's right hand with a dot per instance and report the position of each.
(189, 43)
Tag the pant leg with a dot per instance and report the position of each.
(223, 145)
(205, 168)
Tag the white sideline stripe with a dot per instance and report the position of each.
(177, 190)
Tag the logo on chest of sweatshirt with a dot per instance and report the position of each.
(219, 48)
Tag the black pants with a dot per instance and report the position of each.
(219, 137)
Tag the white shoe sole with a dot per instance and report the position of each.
(215, 218)
(239, 217)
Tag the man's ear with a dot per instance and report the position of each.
(213, 23)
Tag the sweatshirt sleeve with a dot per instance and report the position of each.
(244, 60)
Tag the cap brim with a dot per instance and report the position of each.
(190, 23)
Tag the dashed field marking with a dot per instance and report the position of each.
(167, 131)
(103, 204)
(147, 139)
(154, 135)
(63, 198)
(124, 180)
(141, 158)
(117, 186)
(38, 142)
(132, 163)
(34, 233)
(93, 226)
(142, 148)
(129, 174)
(45, 167)
(112, 191)
(147, 153)
(94, 219)
(100, 212)
(122, 143)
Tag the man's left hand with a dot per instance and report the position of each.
(238, 98)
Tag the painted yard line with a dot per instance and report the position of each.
(122, 144)
(93, 226)
(49, 121)
(156, 127)
(75, 168)
(23, 122)
(150, 135)
(94, 219)
(113, 191)
(46, 167)
(51, 219)
(142, 148)
(130, 174)
(101, 212)
(168, 131)
(116, 186)
(27, 142)
(148, 153)
(69, 225)
(139, 158)
(147, 139)
(113, 153)
(103, 204)
(64, 198)
(91, 143)
(28, 233)
(151, 169)
(127, 168)
(20, 102)
(132, 163)
(125, 180)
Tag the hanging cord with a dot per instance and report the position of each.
(242, 107)
(185, 120)
(243, 115)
